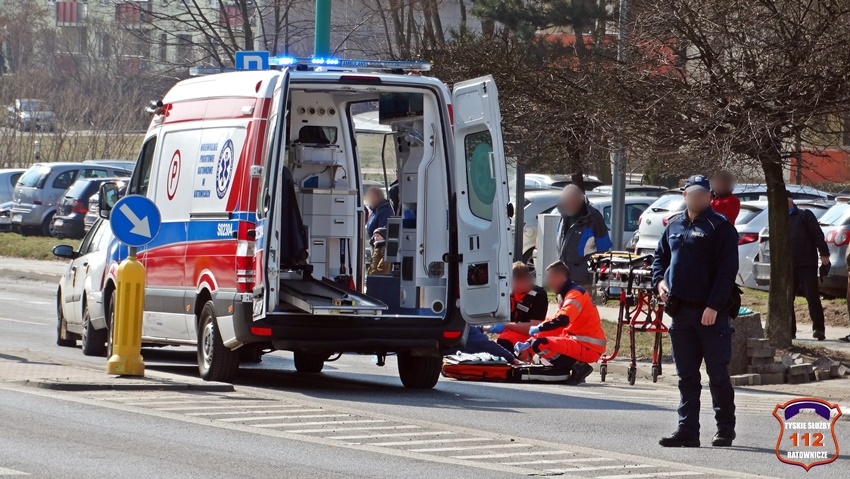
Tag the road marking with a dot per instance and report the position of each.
(343, 429)
(238, 419)
(396, 434)
(430, 441)
(233, 413)
(11, 472)
(602, 468)
(558, 461)
(651, 474)
(196, 401)
(24, 322)
(319, 423)
(190, 408)
(515, 454)
(469, 448)
(38, 302)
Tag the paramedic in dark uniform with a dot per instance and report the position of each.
(529, 307)
(572, 337)
(694, 273)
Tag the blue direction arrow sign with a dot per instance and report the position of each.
(135, 220)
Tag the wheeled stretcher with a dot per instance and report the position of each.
(628, 277)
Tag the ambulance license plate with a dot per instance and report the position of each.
(17, 218)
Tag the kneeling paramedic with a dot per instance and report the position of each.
(694, 271)
(529, 306)
(573, 336)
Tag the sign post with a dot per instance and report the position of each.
(135, 221)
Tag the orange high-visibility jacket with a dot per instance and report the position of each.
(584, 324)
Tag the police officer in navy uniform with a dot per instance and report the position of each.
(694, 273)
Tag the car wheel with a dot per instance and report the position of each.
(216, 362)
(93, 340)
(310, 363)
(63, 338)
(419, 372)
(110, 323)
(47, 228)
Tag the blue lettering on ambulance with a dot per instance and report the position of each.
(205, 170)
(202, 193)
(209, 147)
(206, 159)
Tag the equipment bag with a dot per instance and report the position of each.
(460, 367)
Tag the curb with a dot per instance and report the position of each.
(153, 385)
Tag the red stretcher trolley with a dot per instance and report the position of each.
(628, 276)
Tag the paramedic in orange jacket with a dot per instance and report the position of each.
(529, 305)
(573, 336)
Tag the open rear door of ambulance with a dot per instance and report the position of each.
(482, 203)
(268, 239)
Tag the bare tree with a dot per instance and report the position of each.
(738, 82)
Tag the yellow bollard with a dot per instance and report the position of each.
(126, 357)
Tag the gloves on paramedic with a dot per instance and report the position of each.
(497, 328)
(520, 347)
(533, 330)
(560, 322)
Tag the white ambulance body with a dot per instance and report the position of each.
(258, 179)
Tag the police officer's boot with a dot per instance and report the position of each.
(679, 439)
(724, 437)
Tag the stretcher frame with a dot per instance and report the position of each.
(640, 308)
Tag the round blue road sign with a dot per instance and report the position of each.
(135, 220)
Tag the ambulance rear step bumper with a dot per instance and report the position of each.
(328, 297)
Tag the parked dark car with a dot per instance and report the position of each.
(93, 214)
(72, 209)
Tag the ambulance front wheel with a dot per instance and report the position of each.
(419, 372)
(216, 362)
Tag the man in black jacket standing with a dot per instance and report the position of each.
(694, 272)
(807, 242)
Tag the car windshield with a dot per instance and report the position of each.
(80, 188)
(34, 176)
(746, 215)
(668, 202)
(31, 105)
(837, 215)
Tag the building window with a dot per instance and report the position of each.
(104, 46)
(163, 47)
(185, 48)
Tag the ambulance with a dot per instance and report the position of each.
(259, 178)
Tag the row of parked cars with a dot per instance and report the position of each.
(648, 209)
(53, 199)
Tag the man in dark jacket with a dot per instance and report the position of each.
(807, 242)
(694, 271)
(582, 232)
(379, 211)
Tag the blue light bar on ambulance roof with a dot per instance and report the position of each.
(360, 64)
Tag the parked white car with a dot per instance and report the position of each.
(79, 299)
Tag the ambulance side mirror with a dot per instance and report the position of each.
(108, 196)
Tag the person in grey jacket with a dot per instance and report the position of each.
(582, 232)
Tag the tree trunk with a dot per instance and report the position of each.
(781, 300)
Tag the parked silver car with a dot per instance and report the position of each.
(749, 241)
(79, 298)
(835, 223)
(8, 179)
(40, 188)
(27, 114)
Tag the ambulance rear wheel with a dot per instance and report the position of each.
(419, 372)
(309, 363)
(216, 362)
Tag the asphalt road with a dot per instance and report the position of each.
(56, 435)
